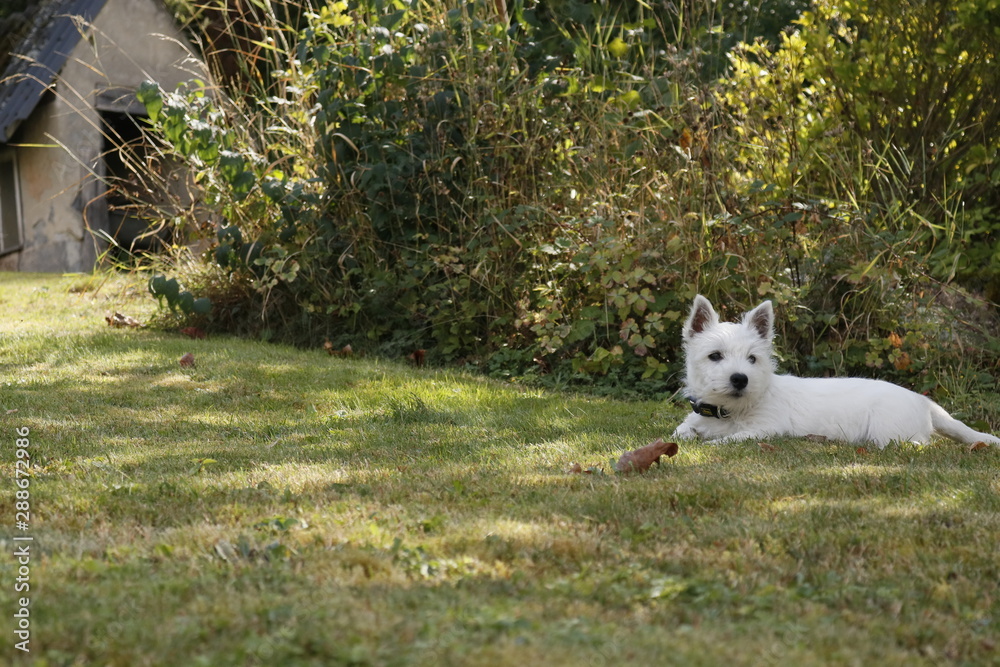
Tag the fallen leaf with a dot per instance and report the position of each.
(120, 320)
(575, 469)
(345, 351)
(903, 362)
(640, 460)
(767, 447)
(685, 139)
(863, 451)
(895, 340)
(543, 365)
(10, 412)
(976, 446)
(193, 332)
(187, 361)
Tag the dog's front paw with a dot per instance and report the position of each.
(686, 432)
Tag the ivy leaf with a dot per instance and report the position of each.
(161, 286)
(202, 306)
(150, 96)
(618, 47)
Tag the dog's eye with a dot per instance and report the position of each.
(752, 359)
(715, 356)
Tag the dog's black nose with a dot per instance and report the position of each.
(739, 381)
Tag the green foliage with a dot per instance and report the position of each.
(893, 107)
(543, 193)
(411, 179)
(872, 122)
(168, 290)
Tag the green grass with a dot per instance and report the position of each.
(274, 506)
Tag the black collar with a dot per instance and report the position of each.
(707, 409)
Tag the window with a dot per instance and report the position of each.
(10, 202)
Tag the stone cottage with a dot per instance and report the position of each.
(71, 137)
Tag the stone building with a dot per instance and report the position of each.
(72, 149)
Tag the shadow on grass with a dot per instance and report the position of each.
(157, 439)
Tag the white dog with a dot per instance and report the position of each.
(736, 395)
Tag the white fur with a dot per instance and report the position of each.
(720, 355)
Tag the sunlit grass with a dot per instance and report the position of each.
(280, 506)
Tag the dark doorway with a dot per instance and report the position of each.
(134, 221)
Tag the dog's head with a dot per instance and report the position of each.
(728, 364)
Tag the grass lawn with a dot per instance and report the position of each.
(274, 506)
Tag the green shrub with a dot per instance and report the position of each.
(544, 198)
(410, 179)
(892, 107)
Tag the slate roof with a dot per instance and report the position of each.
(39, 57)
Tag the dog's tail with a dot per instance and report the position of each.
(947, 425)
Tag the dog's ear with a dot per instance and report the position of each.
(702, 317)
(761, 320)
